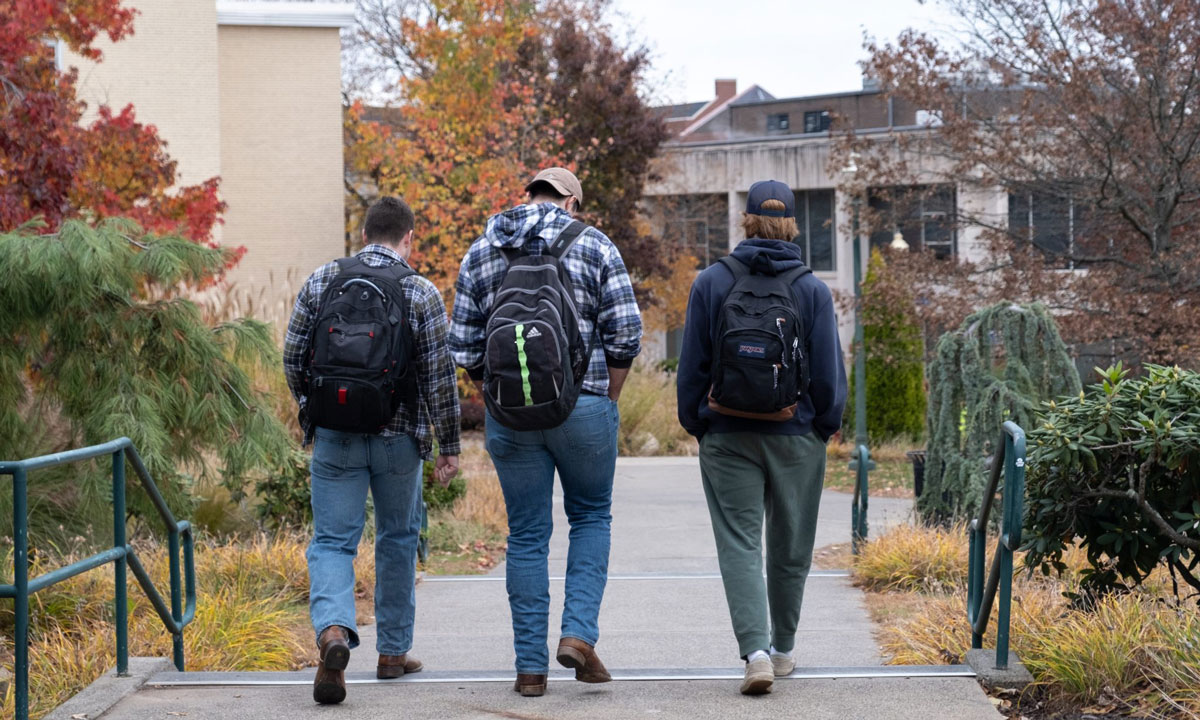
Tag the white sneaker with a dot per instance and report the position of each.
(782, 663)
(759, 675)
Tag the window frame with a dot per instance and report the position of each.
(782, 122)
(804, 239)
(923, 217)
(824, 121)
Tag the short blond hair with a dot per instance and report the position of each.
(770, 228)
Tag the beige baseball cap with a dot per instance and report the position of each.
(562, 180)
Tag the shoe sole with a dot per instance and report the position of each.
(390, 673)
(758, 685)
(571, 658)
(784, 672)
(337, 657)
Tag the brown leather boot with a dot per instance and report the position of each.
(329, 686)
(575, 653)
(530, 685)
(391, 667)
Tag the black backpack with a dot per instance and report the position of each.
(361, 351)
(759, 363)
(535, 357)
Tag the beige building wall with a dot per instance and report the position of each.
(281, 158)
(168, 70)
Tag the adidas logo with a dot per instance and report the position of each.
(533, 332)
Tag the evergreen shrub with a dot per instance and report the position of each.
(98, 342)
(1118, 468)
(895, 365)
(999, 365)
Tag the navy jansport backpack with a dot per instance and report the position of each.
(759, 365)
(361, 362)
(535, 357)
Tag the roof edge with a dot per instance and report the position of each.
(286, 14)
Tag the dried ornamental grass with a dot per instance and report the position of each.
(914, 558)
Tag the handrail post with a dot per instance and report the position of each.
(1010, 540)
(121, 604)
(176, 601)
(21, 582)
(977, 560)
(859, 528)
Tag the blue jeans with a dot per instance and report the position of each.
(584, 451)
(344, 466)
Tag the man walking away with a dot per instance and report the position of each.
(761, 384)
(546, 324)
(367, 360)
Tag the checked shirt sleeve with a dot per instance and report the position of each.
(295, 344)
(619, 320)
(435, 368)
(468, 324)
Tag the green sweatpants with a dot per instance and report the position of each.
(747, 476)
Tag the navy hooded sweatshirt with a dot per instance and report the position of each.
(820, 411)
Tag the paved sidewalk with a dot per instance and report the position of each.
(664, 609)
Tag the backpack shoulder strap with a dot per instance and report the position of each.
(566, 238)
(349, 263)
(795, 274)
(399, 271)
(737, 267)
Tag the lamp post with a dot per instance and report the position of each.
(860, 460)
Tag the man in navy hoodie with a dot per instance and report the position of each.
(753, 468)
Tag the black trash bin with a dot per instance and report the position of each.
(917, 457)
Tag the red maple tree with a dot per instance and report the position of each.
(55, 167)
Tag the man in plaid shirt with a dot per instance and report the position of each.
(345, 465)
(583, 449)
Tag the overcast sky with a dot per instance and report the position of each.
(789, 47)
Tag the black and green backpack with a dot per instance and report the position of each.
(535, 357)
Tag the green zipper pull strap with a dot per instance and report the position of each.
(521, 357)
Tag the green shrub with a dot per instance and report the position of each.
(285, 496)
(1119, 468)
(895, 365)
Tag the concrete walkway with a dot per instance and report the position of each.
(664, 614)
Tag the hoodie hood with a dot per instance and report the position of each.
(779, 255)
(511, 228)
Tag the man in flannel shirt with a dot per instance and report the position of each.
(583, 449)
(346, 465)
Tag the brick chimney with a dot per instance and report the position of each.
(726, 88)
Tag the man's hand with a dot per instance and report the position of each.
(616, 381)
(445, 468)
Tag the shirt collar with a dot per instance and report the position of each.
(384, 250)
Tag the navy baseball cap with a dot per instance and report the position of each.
(765, 190)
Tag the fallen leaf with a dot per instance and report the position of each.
(79, 716)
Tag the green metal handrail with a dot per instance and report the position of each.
(1010, 456)
(175, 618)
(860, 463)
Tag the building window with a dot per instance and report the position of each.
(698, 224)
(923, 215)
(816, 222)
(816, 121)
(778, 122)
(1052, 222)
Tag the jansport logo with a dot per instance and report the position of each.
(533, 332)
(754, 351)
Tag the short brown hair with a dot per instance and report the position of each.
(770, 228)
(388, 221)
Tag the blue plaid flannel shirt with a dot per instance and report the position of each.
(436, 379)
(608, 312)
